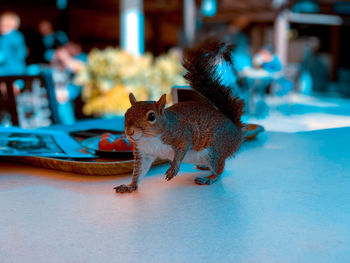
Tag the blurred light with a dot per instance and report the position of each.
(132, 39)
(316, 19)
(189, 16)
(306, 83)
(209, 7)
(306, 6)
(61, 4)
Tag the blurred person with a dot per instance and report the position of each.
(66, 62)
(70, 57)
(13, 50)
(266, 59)
(233, 33)
(314, 74)
(51, 39)
(241, 55)
(236, 35)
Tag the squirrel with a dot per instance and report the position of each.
(204, 134)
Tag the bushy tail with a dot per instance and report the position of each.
(201, 75)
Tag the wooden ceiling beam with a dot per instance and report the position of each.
(235, 5)
(162, 5)
(263, 17)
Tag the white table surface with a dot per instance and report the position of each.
(284, 198)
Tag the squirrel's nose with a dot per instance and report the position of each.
(130, 131)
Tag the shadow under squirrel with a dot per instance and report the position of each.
(204, 134)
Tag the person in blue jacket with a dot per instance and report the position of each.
(52, 39)
(13, 50)
(267, 60)
(67, 61)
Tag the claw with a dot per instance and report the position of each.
(203, 181)
(125, 188)
(170, 174)
(168, 178)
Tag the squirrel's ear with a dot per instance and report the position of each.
(161, 104)
(132, 99)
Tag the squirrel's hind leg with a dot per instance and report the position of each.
(216, 167)
(208, 180)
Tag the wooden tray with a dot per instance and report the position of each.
(91, 167)
(106, 166)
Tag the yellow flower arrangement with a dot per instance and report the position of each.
(111, 74)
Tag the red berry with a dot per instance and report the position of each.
(105, 144)
(122, 144)
(106, 135)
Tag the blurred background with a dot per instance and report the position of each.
(62, 61)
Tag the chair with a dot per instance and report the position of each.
(10, 102)
(186, 93)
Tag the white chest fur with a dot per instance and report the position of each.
(154, 146)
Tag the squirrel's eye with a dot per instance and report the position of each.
(151, 116)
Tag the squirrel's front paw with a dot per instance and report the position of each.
(170, 174)
(125, 188)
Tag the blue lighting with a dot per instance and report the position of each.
(306, 6)
(61, 4)
(209, 7)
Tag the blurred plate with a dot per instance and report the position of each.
(91, 144)
(250, 131)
